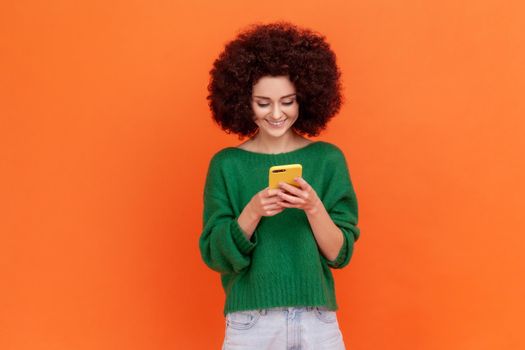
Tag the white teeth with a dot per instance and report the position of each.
(276, 124)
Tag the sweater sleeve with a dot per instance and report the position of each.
(223, 245)
(341, 204)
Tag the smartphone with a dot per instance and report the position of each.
(284, 173)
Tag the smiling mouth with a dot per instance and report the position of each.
(281, 123)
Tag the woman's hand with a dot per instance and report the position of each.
(265, 202)
(303, 198)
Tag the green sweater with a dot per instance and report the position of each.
(281, 265)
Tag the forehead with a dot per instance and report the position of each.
(273, 87)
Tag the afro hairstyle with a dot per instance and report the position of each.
(275, 49)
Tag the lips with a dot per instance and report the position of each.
(278, 124)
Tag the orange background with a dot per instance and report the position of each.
(105, 139)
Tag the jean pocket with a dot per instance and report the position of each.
(242, 319)
(325, 315)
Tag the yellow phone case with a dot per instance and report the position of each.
(285, 173)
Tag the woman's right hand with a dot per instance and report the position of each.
(265, 202)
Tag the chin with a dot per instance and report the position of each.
(277, 133)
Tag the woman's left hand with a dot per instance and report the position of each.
(302, 198)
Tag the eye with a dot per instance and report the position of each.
(287, 103)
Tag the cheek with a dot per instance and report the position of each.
(257, 115)
(293, 111)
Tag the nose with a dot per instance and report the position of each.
(276, 112)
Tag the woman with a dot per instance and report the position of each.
(275, 248)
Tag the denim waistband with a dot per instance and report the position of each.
(290, 309)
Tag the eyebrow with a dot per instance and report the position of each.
(267, 98)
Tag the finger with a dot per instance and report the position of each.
(291, 199)
(271, 200)
(272, 207)
(270, 192)
(275, 199)
(273, 212)
(302, 182)
(288, 205)
(290, 188)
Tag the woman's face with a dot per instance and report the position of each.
(275, 105)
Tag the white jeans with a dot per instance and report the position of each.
(283, 328)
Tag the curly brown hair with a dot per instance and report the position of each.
(275, 49)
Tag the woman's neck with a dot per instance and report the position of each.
(286, 143)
